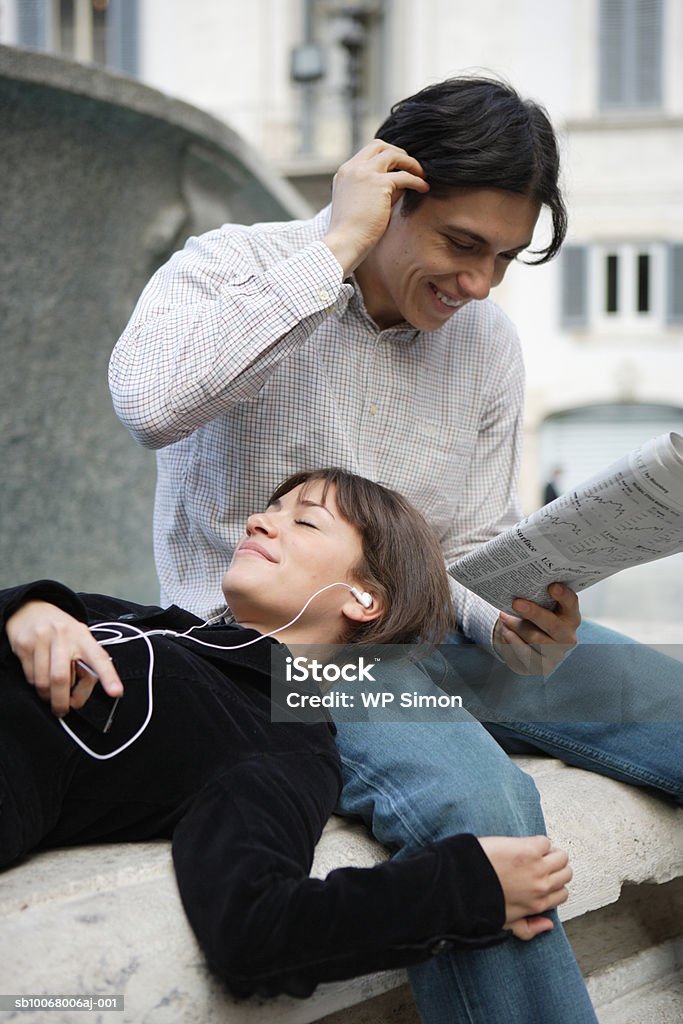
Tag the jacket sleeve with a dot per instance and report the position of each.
(242, 856)
(42, 590)
(86, 608)
(210, 328)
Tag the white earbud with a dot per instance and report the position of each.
(365, 599)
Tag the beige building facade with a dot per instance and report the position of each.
(307, 80)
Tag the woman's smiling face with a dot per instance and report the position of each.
(300, 544)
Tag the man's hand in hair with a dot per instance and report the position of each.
(364, 191)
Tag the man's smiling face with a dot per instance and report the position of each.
(446, 252)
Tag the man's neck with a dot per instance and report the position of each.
(377, 304)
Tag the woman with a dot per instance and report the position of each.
(244, 798)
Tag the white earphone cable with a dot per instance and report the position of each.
(118, 637)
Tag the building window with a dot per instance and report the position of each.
(341, 64)
(612, 283)
(643, 288)
(630, 274)
(80, 30)
(630, 51)
(627, 284)
(93, 31)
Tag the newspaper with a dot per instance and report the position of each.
(629, 514)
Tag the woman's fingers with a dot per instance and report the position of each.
(58, 653)
(533, 875)
(529, 927)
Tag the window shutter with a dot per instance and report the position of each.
(675, 285)
(630, 53)
(123, 36)
(34, 24)
(612, 52)
(574, 264)
(648, 53)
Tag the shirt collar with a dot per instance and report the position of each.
(350, 293)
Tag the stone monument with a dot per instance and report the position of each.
(102, 179)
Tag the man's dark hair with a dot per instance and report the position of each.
(479, 133)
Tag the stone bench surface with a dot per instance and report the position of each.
(107, 919)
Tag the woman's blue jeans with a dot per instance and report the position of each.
(415, 777)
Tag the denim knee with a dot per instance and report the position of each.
(414, 789)
(507, 805)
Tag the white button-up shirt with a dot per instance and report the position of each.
(248, 357)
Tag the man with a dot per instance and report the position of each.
(552, 487)
(365, 338)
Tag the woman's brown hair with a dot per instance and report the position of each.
(401, 564)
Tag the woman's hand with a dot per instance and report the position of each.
(49, 642)
(533, 875)
(535, 641)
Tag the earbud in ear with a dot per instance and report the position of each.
(365, 599)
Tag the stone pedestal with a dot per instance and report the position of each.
(102, 179)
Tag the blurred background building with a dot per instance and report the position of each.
(308, 81)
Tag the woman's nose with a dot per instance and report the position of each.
(261, 522)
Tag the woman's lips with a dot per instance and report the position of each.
(252, 547)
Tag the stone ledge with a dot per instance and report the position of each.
(107, 919)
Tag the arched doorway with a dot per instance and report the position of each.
(644, 601)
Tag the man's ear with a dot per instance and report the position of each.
(355, 611)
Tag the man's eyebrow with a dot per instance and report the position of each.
(456, 230)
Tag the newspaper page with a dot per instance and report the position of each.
(629, 514)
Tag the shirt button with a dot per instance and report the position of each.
(440, 946)
(373, 409)
(324, 296)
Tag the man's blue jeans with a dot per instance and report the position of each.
(414, 780)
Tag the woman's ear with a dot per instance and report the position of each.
(362, 606)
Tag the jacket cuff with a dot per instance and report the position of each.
(480, 902)
(42, 590)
